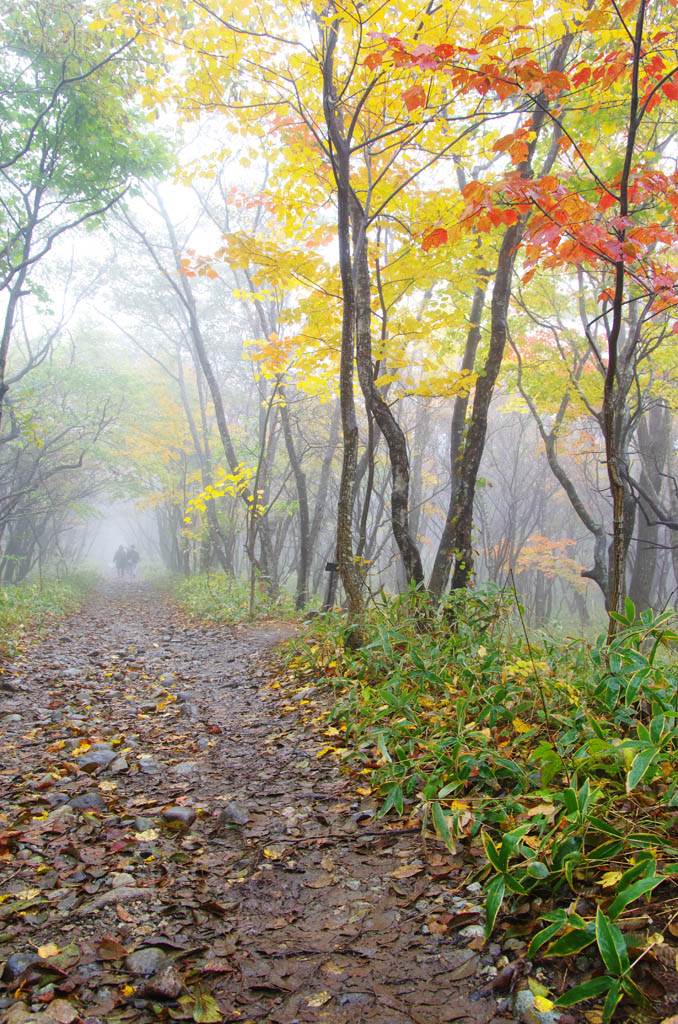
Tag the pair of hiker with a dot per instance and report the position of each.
(126, 560)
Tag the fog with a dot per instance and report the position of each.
(173, 382)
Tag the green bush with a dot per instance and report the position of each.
(30, 605)
(219, 598)
(558, 755)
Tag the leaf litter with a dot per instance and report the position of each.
(178, 843)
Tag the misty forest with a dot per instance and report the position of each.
(339, 511)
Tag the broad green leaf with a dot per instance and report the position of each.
(442, 828)
(613, 996)
(544, 936)
(492, 853)
(572, 942)
(587, 990)
(495, 896)
(639, 767)
(634, 892)
(611, 945)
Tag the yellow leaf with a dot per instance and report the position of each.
(128, 990)
(610, 878)
(51, 949)
(521, 726)
(542, 1004)
(319, 999)
(27, 894)
(272, 854)
(148, 836)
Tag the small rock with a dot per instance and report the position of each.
(119, 765)
(14, 718)
(146, 961)
(475, 888)
(148, 766)
(119, 878)
(473, 931)
(164, 984)
(104, 899)
(56, 799)
(17, 963)
(143, 824)
(526, 1012)
(184, 816)
(89, 801)
(63, 813)
(234, 814)
(93, 760)
(18, 1014)
(185, 767)
(147, 706)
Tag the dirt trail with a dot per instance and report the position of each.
(171, 842)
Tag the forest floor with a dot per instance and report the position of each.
(174, 844)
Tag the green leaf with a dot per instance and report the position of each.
(382, 748)
(573, 941)
(544, 936)
(611, 945)
(491, 852)
(495, 896)
(639, 767)
(587, 990)
(205, 1009)
(536, 869)
(632, 990)
(442, 828)
(633, 892)
(394, 798)
(611, 1000)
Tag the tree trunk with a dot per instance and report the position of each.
(440, 573)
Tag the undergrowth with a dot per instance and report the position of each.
(30, 605)
(218, 598)
(558, 756)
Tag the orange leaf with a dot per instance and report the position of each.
(606, 201)
(373, 60)
(414, 97)
(434, 238)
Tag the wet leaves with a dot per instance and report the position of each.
(174, 849)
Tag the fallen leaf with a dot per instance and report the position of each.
(62, 1012)
(51, 949)
(319, 999)
(148, 836)
(407, 871)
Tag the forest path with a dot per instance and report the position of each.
(174, 846)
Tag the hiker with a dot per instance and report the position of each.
(132, 557)
(120, 560)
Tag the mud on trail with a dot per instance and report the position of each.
(172, 847)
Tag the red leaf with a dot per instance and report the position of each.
(670, 89)
(434, 238)
(606, 201)
(373, 60)
(414, 97)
